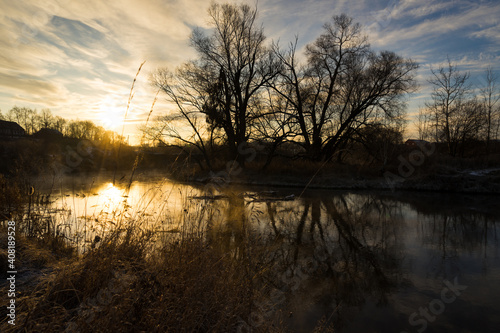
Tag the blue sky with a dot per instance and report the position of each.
(79, 58)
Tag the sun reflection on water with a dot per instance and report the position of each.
(111, 194)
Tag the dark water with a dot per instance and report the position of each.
(364, 261)
(381, 262)
(392, 258)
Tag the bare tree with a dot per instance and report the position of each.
(59, 123)
(225, 82)
(187, 125)
(275, 127)
(44, 119)
(471, 118)
(490, 96)
(450, 90)
(75, 130)
(454, 111)
(342, 86)
(23, 116)
(380, 140)
(81, 129)
(30, 119)
(424, 125)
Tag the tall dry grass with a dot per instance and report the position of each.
(187, 275)
(130, 283)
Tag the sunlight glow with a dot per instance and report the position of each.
(111, 194)
(111, 113)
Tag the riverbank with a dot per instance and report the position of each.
(190, 278)
(485, 181)
(411, 170)
(184, 285)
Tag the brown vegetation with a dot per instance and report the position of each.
(185, 285)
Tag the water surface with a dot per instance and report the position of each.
(366, 261)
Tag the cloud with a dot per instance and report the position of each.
(80, 57)
(414, 9)
(31, 85)
(67, 43)
(285, 19)
(473, 17)
(491, 33)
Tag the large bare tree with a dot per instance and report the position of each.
(224, 84)
(342, 86)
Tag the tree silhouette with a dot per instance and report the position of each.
(454, 112)
(224, 83)
(341, 87)
(490, 96)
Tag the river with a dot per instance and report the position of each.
(367, 261)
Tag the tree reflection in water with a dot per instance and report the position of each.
(335, 255)
(365, 260)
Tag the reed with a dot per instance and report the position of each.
(136, 280)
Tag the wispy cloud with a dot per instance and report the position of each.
(79, 57)
(439, 20)
(28, 84)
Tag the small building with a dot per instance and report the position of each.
(48, 134)
(10, 130)
(415, 142)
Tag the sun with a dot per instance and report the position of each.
(110, 113)
(110, 119)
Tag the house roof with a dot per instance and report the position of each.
(11, 129)
(416, 141)
(48, 133)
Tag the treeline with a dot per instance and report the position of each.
(55, 145)
(337, 96)
(33, 121)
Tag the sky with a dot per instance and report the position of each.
(79, 58)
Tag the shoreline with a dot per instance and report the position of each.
(459, 183)
(468, 182)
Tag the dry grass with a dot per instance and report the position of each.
(123, 285)
(11, 198)
(196, 279)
